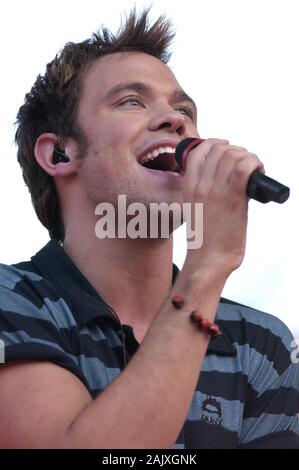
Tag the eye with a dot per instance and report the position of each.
(186, 111)
(131, 101)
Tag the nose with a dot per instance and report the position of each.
(169, 119)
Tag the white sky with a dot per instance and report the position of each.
(238, 59)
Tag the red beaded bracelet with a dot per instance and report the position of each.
(202, 324)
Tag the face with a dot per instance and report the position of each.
(131, 106)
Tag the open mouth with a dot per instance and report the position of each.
(161, 159)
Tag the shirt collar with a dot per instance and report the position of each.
(82, 298)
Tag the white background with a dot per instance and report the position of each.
(238, 59)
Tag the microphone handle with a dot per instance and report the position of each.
(260, 187)
(264, 189)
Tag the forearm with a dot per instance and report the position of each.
(146, 406)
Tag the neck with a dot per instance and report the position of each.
(133, 277)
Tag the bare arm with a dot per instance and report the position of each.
(43, 405)
(146, 406)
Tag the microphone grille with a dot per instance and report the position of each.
(181, 147)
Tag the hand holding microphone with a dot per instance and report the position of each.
(217, 175)
(260, 187)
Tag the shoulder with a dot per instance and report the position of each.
(25, 292)
(11, 274)
(262, 341)
(35, 322)
(265, 345)
(266, 354)
(250, 321)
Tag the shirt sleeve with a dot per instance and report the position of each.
(271, 414)
(33, 328)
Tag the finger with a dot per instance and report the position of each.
(231, 156)
(196, 159)
(241, 172)
(213, 179)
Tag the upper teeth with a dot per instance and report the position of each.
(156, 152)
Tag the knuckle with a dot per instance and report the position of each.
(215, 140)
(219, 147)
(257, 159)
(240, 149)
(235, 152)
(228, 153)
(255, 162)
(240, 167)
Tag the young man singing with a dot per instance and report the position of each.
(106, 344)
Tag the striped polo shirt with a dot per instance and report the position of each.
(247, 395)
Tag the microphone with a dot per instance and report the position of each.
(259, 187)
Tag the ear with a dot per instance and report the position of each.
(44, 151)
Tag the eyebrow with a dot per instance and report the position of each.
(140, 87)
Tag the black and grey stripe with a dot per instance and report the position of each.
(248, 391)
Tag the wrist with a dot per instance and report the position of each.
(208, 273)
(219, 263)
(196, 318)
(201, 289)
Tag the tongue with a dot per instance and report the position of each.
(164, 162)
